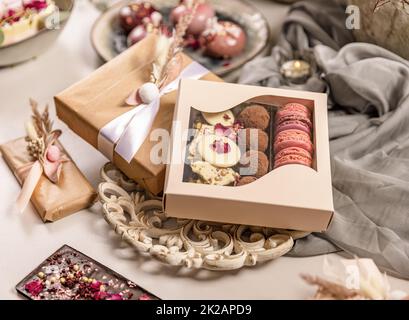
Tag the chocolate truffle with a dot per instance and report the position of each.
(254, 116)
(254, 136)
(137, 34)
(223, 39)
(133, 14)
(254, 163)
(245, 180)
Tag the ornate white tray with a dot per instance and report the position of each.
(138, 218)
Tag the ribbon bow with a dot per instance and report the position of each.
(50, 164)
(127, 133)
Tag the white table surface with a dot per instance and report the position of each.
(25, 241)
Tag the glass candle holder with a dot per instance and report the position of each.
(296, 71)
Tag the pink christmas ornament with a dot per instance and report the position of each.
(223, 39)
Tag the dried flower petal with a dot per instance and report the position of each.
(34, 287)
(228, 132)
(100, 295)
(221, 147)
(115, 296)
(96, 285)
(144, 297)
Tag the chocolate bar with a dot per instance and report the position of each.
(71, 275)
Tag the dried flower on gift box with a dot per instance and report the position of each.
(49, 178)
(41, 142)
(167, 65)
(46, 154)
(355, 279)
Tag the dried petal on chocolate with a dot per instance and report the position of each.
(100, 295)
(96, 285)
(115, 296)
(221, 147)
(144, 297)
(228, 132)
(34, 287)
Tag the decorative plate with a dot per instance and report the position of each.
(109, 40)
(138, 218)
(38, 43)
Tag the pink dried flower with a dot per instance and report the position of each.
(35, 4)
(100, 295)
(228, 132)
(34, 287)
(144, 297)
(220, 147)
(95, 286)
(115, 296)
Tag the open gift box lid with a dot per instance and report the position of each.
(289, 197)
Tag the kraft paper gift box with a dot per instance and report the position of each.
(90, 104)
(292, 196)
(52, 201)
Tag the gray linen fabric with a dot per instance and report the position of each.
(368, 88)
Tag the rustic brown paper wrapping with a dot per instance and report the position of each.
(90, 104)
(52, 201)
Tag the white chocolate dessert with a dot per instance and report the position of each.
(225, 118)
(210, 174)
(219, 151)
(21, 19)
(213, 152)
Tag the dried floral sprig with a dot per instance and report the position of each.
(40, 135)
(42, 146)
(176, 45)
(180, 31)
(41, 121)
(353, 279)
(158, 65)
(167, 64)
(331, 290)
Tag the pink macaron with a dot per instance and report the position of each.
(293, 125)
(298, 108)
(286, 115)
(293, 155)
(293, 138)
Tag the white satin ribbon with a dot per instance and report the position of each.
(129, 131)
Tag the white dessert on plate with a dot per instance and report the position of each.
(21, 19)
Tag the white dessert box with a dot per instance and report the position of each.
(290, 197)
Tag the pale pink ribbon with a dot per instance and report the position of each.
(31, 181)
(29, 184)
(130, 130)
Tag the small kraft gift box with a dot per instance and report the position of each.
(96, 109)
(250, 155)
(49, 177)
